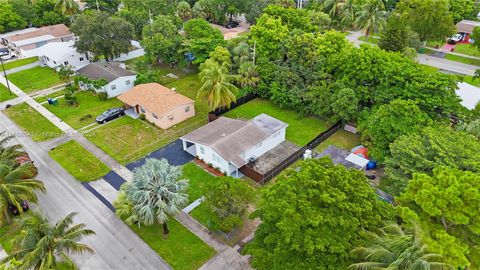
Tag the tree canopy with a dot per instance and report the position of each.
(201, 39)
(162, 40)
(383, 125)
(312, 218)
(101, 34)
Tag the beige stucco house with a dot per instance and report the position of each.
(160, 105)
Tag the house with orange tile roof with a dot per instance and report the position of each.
(160, 105)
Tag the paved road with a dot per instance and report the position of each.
(441, 63)
(116, 246)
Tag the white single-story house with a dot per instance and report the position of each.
(28, 41)
(119, 79)
(57, 54)
(229, 144)
(469, 95)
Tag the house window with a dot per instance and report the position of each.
(113, 87)
(202, 150)
(127, 82)
(81, 59)
(187, 109)
(142, 109)
(54, 62)
(216, 158)
(154, 116)
(65, 63)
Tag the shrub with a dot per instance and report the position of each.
(102, 96)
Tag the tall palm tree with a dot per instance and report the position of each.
(394, 249)
(372, 17)
(67, 7)
(43, 246)
(347, 13)
(16, 185)
(241, 54)
(156, 192)
(332, 7)
(216, 85)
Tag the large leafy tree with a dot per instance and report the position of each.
(109, 6)
(313, 217)
(462, 9)
(216, 85)
(222, 56)
(431, 19)
(184, 11)
(394, 248)
(372, 17)
(162, 40)
(268, 34)
(448, 196)
(139, 18)
(433, 147)
(228, 199)
(383, 125)
(44, 246)
(9, 19)
(156, 192)
(47, 14)
(17, 185)
(200, 39)
(395, 36)
(102, 35)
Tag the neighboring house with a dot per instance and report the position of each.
(160, 105)
(57, 54)
(466, 26)
(117, 77)
(26, 42)
(229, 144)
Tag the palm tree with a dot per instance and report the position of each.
(241, 54)
(372, 17)
(332, 7)
(216, 85)
(16, 185)
(394, 249)
(347, 13)
(67, 7)
(156, 192)
(43, 246)
(249, 75)
(10, 153)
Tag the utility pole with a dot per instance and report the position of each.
(5, 75)
(98, 8)
(150, 16)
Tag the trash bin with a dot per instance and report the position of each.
(50, 102)
(421, 50)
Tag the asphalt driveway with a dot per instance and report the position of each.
(173, 152)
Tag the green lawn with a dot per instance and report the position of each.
(470, 80)
(80, 163)
(20, 62)
(37, 78)
(301, 129)
(429, 68)
(127, 140)
(5, 94)
(181, 249)
(198, 180)
(89, 107)
(41, 99)
(374, 40)
(37, 126)
(467, 49)
(342, 139)
(461, 59)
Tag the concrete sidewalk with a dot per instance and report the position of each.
(28, 66)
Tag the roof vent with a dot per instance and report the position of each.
(174, 89)
(223, 135)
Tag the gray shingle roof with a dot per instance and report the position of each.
(108, 71)
(230, 138)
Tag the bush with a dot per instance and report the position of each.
(70, 97)
(228, 199)
(85, 117)
(102, 96)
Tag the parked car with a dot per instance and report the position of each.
(110, 114)
(14, 210)
(4, 51)
(455, 39)
(232, 24)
